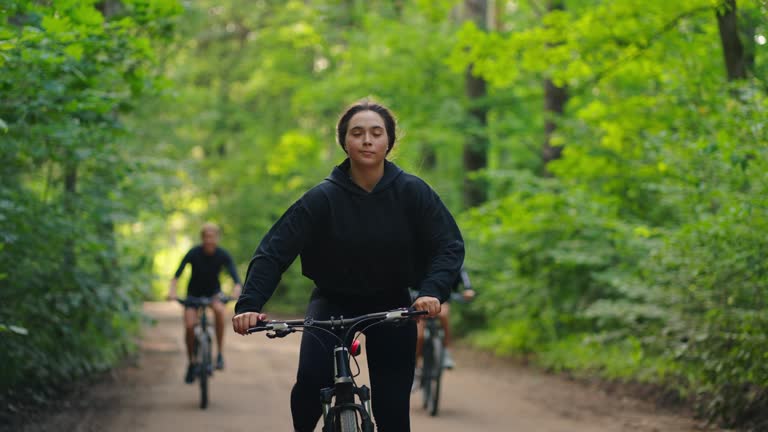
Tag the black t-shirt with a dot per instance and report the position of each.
(205, 271)
(362, 247)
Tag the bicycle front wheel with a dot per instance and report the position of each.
(348, 421)
(427, 368)
(438, 355)
(204, 365)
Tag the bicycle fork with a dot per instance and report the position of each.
(345, 391)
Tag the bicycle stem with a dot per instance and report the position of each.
(341, 365)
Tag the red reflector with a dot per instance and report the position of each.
(354, 349)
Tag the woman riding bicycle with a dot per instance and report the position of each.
(365, 235)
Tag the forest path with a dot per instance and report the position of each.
(481, 394)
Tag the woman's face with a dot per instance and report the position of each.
(366, 141)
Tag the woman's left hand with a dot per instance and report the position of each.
(429, 304)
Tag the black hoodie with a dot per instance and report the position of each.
(361, 246)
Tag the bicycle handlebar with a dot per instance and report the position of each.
(289, 325)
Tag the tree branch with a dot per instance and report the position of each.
(666, 28)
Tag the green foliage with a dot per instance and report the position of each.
(624, 360)
(643, 258)
(71, 283)
(640, 258)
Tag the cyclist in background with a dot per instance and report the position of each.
(468, 293)
(207, 260)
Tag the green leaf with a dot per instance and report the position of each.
(6, 33)
(88, 15)
(75, 51)
(57, 24)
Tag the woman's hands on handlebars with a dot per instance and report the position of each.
(242, 322)
(429, 304)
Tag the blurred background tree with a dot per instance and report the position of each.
(74, 185)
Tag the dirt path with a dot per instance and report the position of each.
(252, 394)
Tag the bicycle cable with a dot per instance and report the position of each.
(359, 371)
(322, 329)
(317, 338)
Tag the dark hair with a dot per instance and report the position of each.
(366, 105)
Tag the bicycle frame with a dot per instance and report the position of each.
(202, 323)
(201, 305)
(202, 332)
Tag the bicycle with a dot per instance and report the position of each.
(433, 355)
(202, 348)
(342, 416)
(433, 359)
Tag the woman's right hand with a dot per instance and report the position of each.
(242, 322)
(429, 304)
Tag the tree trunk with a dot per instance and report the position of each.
(476, 144)
(555, 99)
(733, 50)
(69, 258)
(109, 8)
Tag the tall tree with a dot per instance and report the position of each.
(69, 260)
(555, 98)
(733, 49)
(475, 155)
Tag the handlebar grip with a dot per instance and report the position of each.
(413, 313)
(260, 327)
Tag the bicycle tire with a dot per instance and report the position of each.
(427, 366)
(348, 421)
(204, 365)
(439, 357)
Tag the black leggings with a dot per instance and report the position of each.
(391, 352)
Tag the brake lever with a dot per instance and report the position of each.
(281, 333)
